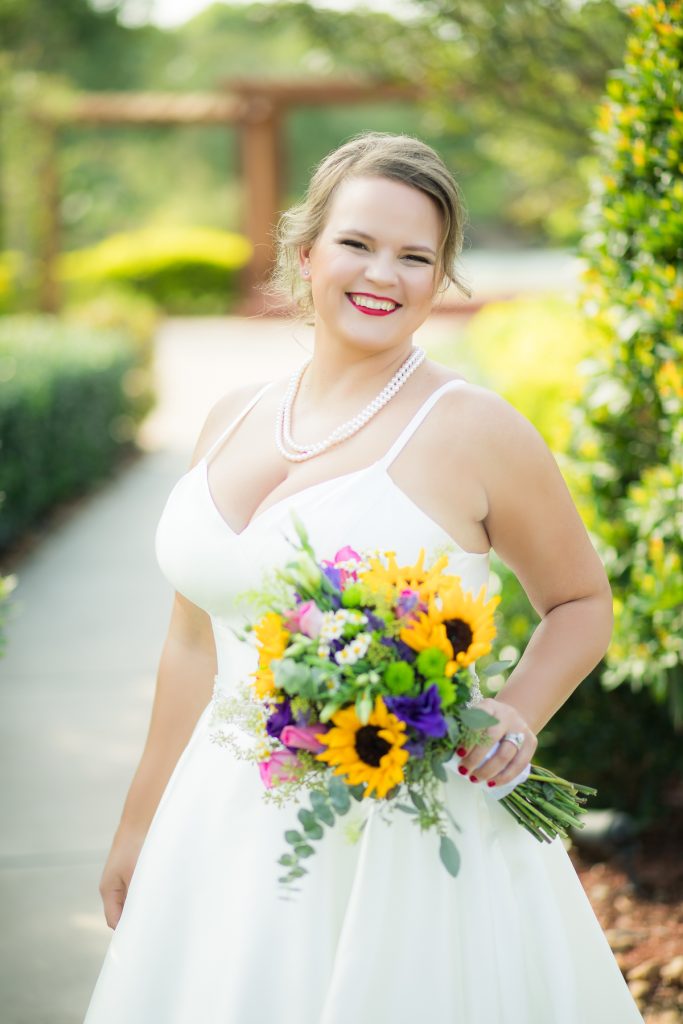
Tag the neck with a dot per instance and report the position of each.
(340, 374)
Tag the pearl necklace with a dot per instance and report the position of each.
(300, 452)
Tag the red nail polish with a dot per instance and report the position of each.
(461, 751)
(473, 778)
(490, 783)
(462, 769)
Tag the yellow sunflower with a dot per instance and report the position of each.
(462, 626)
(391, 579)
(272, 640)
(366, 753)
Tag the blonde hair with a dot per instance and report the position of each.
(370, 154)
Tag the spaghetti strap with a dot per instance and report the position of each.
(415, 422)
(231, 426)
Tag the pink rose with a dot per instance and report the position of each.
(303, 736)
(278, 768)
(306, 618)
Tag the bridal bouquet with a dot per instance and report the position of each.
(365, 685)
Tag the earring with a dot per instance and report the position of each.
(305, 271)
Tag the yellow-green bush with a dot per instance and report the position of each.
(632, 412)
(183, 269)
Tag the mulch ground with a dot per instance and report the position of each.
(642, 916)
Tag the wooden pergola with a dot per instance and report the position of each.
(256, 109)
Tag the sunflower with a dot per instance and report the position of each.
(272, 640)
(461, 626)
(391, 579)
(369, 754)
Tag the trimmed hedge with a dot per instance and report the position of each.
(70, 401)
(183, 269)
(630, 435)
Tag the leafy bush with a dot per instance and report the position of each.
(629, 436)
(70, 401)
(184, 270)
(7, 585)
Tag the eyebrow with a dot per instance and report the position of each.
(363, 234)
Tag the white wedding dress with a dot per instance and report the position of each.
(379, 932)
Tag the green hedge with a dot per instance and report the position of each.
(630, 434)
(70, 401)
(183, 269)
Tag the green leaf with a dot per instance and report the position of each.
(449, 855)
(325, 813)
(292, 836)
(406, 808)
(304, 850)
(287, 859)
(476, 718)
(495, 668)
(357, 791)
(314, 831)
(417, 800)
(306, 817)
(439, 771)
(339, 795)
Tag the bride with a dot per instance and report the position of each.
(385, 449)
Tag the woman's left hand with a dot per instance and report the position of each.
(508, 761)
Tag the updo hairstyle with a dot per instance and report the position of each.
(370, 154)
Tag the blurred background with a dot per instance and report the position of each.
(146, 149)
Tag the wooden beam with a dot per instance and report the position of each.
(320, 92)
(260, 140)
(146, 108)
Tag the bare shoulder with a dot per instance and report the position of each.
(532, 521)
(221, 414)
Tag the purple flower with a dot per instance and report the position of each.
(423, 712)
(374, 621)
(403, 652)
(281, 716)
(333, 575)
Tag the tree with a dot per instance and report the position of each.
(629, 428)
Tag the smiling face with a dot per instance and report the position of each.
(373, 268)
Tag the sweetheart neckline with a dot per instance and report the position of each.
(258, 516)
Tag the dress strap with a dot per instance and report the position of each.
(240, 416)
(415, 422)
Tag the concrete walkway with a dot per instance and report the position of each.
(91, 611)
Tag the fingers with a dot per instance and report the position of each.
(504, 763)
(113, 900)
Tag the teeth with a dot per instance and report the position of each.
(363, 300)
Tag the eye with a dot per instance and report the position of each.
(353, 242)
(419, 259)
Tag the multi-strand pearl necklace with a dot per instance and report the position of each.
(300, 452)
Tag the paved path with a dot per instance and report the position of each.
(77, 680)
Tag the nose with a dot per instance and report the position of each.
(381, 269)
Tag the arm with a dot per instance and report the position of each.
(537, 531)
(184, 684)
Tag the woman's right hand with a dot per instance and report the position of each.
(117, 874)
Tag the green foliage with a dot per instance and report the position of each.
(7, 585)
(629, 436)
(182, 269)
(70, 401)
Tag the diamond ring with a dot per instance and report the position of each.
(514, 737)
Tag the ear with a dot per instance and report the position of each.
(304, 260)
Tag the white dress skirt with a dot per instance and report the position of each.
(379, 932)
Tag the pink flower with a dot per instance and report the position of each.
(303, 736)
(278, 768)
(306, 618)
(345, 554)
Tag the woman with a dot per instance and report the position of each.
(379, 931)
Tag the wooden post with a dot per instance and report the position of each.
(261, 151)
(49, 222)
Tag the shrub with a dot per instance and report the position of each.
(629, 436)
(183, 269)
(70, 401)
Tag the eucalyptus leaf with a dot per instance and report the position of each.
(287, 859)
(439, 771)
(292, 836)
(304, 850)
(450, 857)
(476, 718)
(325, 813)
(495, 667)
(406, 808)
(417, 800)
